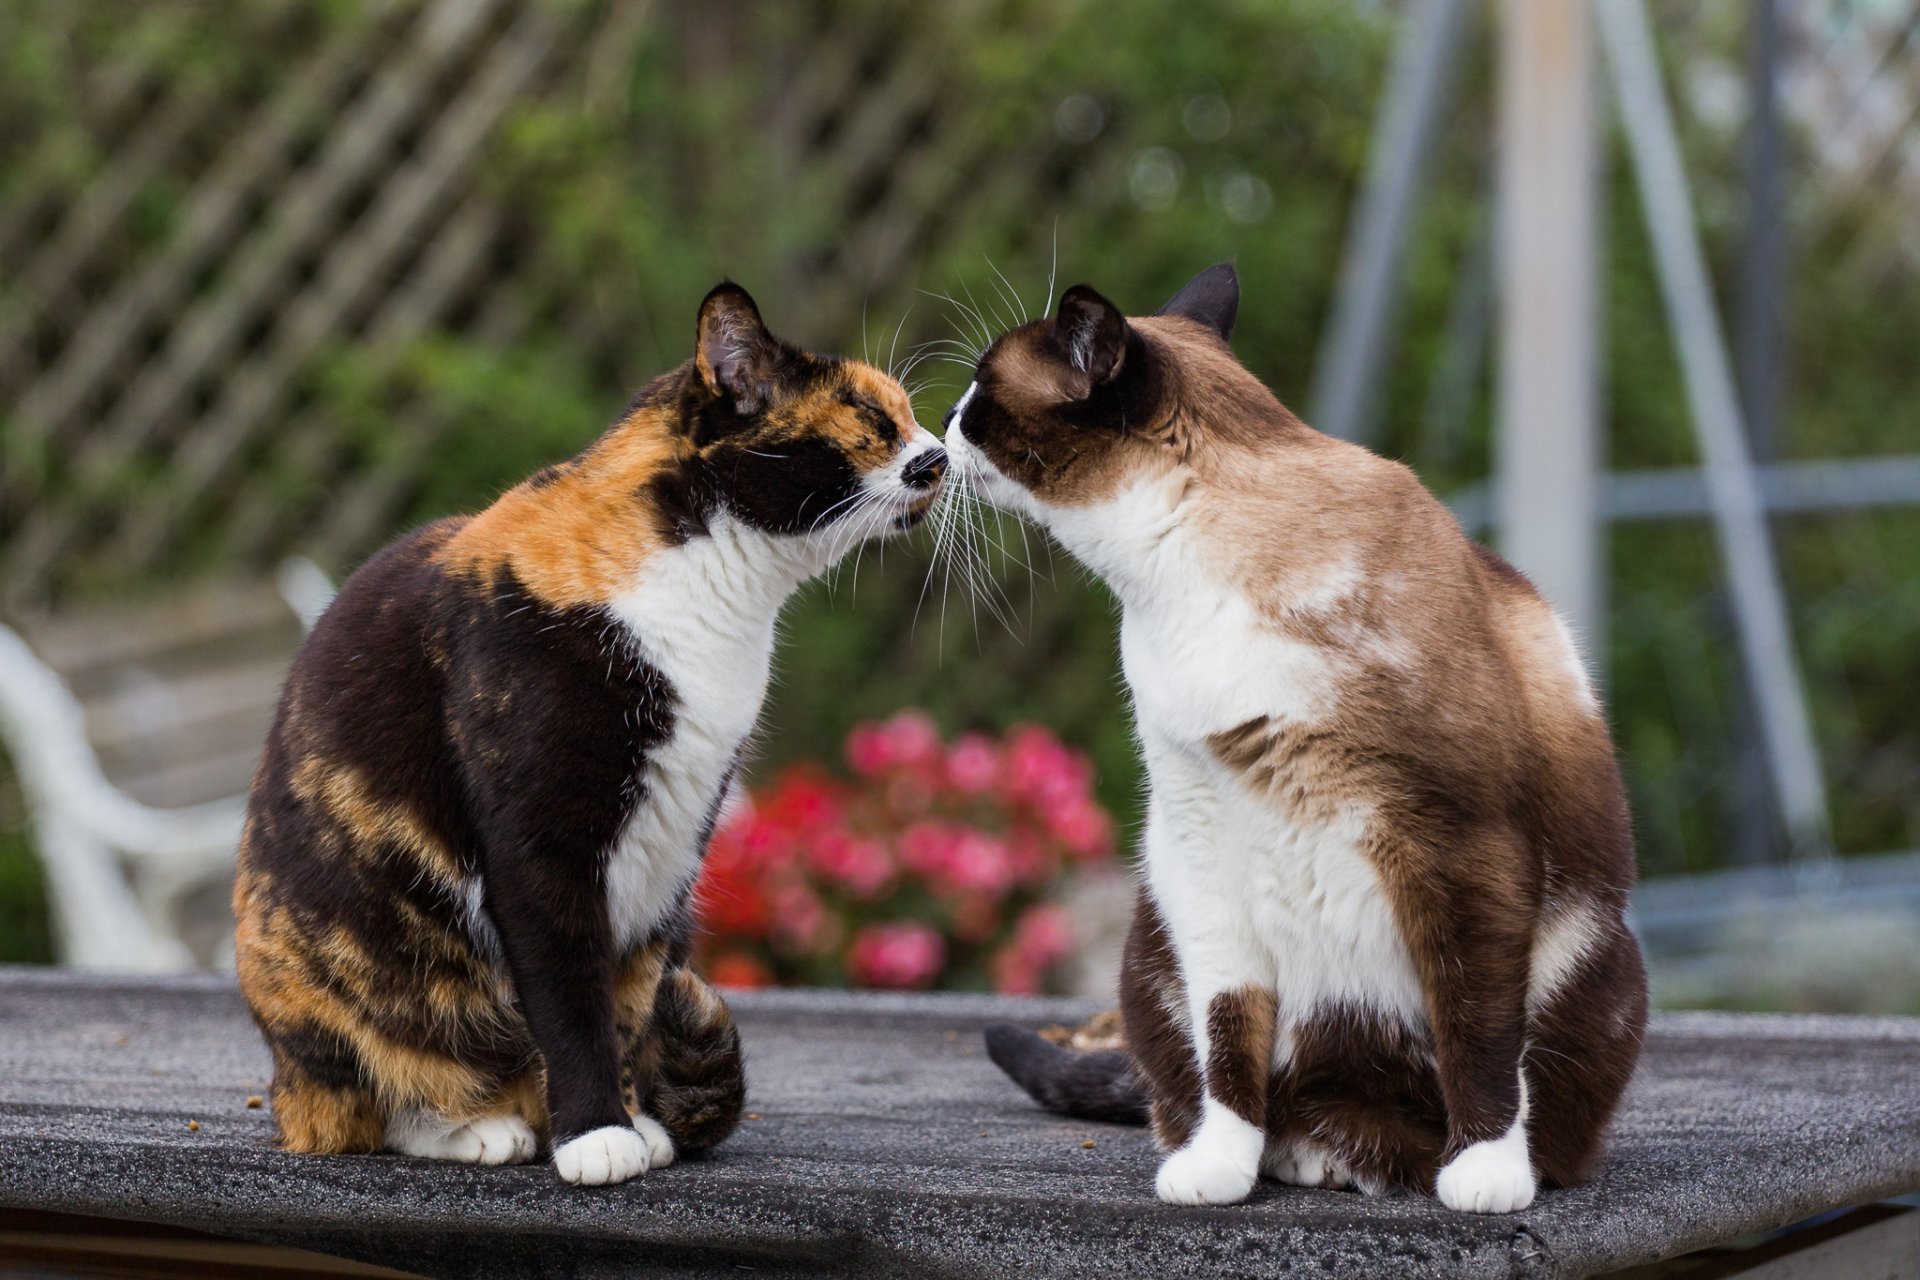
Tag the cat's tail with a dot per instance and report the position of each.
(1100, 1084)
(699, 1085)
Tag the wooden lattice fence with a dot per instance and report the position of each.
(335, 193)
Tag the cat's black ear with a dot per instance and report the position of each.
(735, 355)
(1092, 333)
(1212, 298)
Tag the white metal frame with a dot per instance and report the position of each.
(116, 869)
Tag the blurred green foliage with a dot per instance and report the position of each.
(1129, 143)
(24, 932)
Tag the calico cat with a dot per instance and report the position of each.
(1380, 938)
(464, 889)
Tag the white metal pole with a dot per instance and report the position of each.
(1746, 544)
(1548, 447)
(1359, 334)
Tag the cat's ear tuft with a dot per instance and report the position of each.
(735, 355)
(1211, 298)
(1092, 333)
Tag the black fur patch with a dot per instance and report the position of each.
(435, 728)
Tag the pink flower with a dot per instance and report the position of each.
(869, 750)
(973, 764)
(903, 954)
(912, 738)
(978, 863)
(805, 799)
(978, 833)
(926, 848)
(1040, 771)
(860, 863)
(1082, 826)
(798, 915)
(762, 844)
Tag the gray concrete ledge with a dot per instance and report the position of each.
(887, 1144)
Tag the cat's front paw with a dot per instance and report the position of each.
(602, 1157)
(659, 1141)
(1488, 1177)
(1197, 1175)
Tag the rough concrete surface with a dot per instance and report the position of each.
(886, 1143)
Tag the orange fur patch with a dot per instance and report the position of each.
(578, 538)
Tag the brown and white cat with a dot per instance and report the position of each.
(1380, 937)
(464, 898)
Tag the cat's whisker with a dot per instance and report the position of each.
(982, 585)
(1053, 266)
(986, 326)
(952, 346)
(1010, 294)
(978, 332)
(893, 347)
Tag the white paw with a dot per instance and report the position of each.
(659, 1141)
(502, 1140)
(1306, 1164)
(1198, 1175)
(601, 1157)
(488, 1140)
(1488, 1177)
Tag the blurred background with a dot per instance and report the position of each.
(278, 281)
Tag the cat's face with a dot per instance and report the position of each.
(791, 443)
(1065, 411)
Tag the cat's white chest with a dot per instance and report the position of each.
(1293, 889)
(1299, 899)
(1202, 663)
(717, 665)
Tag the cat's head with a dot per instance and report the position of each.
(794, 457)
(788, 442)
(1065, 411)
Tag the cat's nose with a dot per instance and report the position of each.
(925, 471)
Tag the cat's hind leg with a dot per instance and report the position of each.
(1583, 1043)
(1303, 1162)
(321, 1104)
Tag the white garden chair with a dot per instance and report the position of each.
(134, 734)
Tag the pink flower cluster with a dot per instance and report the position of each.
(935, 864)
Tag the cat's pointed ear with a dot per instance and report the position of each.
(1092, 333)
(1211, 298)
(735, 355)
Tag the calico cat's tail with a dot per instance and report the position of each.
(1098, 1084)
(699, 1086)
